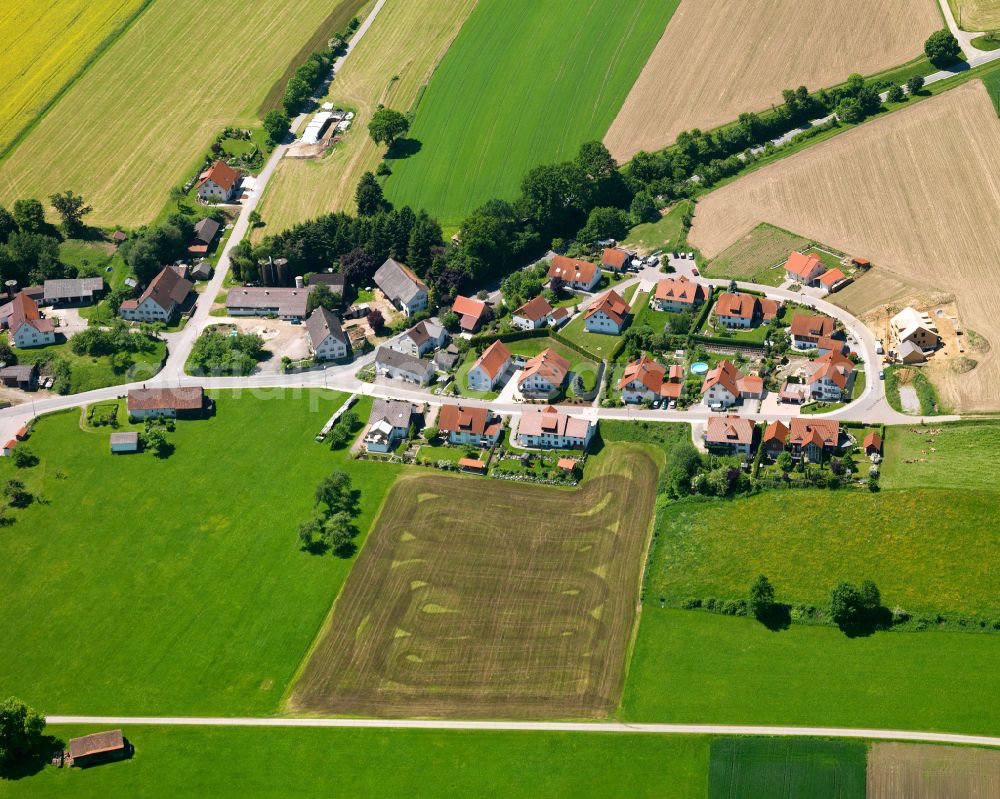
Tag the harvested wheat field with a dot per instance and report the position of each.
(140, 118)
(976, 15)
(390, 65)
(719, 58)
(916, 191)
(917, 771)
(475, 598)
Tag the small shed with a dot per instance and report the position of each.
(124, 442)
(567, 464)
(8, 448)
(201, 270)
(873, 444)
(99, 747)
(471, 465)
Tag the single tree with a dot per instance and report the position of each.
(368, 195)
(334, 491)
(71, 209)
(155, 441)
(276, 124)
(29, 215)
(558, 285)
(450, 321)
(21, 729)
(846, 606)
(785, 462)
(387, 125)
(643, 208)
(322, 297)
(914, 84)
(895, 93)
(942, 48)
(761, 597)
(375, 320)
(358, 266)
(849, 110)
(23, 457)
(17, 495)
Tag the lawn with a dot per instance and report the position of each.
(600, 345)
(787, 768)
(758, 257)
(85, 254)
(505, 98)
(462, 374)
(95, 371)
(153, 586)
(958, 456)
(514, 602)
(667, 233)
(366, 763)
(926, 549)
(695, 667)
(154, 101)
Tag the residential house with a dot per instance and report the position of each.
(872, 444)
(676, 295)
(720, 388)
(388, 424)
(285, 303)
(73, 291)
(397, 365)
(543, 375)
(156, 403)
(576, 274)
(832, 280)
(98, 747)
(407, 292)
(807, 329)
(608, 314)
(538, 312)
(550, 428)
(775, 439)
(23, 376)
(326, 336)
(27, 328)
(447, 359)
(463, 425)
(729, 434)
(913, 327)
(491, 369)
(804, 269)
(644, 380)
(813, 438)
(910, 353)
(471, 313)
(420, 339)
(218, 183)
(833, 378)
(615, 258)
(737, 309)
(159, 302)
(124, 442)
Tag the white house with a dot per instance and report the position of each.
(608, 314)
(420, 339)
(543, 375)
(388, 424)
(218, 183)
(27, 328)
(833, 377)
(154, 403)
(721, 387)
(550, 428)
(804, 269)
(644, 380)
(491, 369)
(731, 434)
(397, 365)
(326, 337)
(577, 274)
(537, 313)
(463, 425)
(737, 309)
(407, 292)
(160, 300)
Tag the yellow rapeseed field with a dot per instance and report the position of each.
(138, 120)
(46, 43)
(917, 192)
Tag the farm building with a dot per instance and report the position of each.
(22, 376)
(471, 313)
(335, 281)
(27, 328)
(543, 375)
(536, 313)
(577, 274)
(159, 302)
(285, 303)
(395, 365)
(609, 314)
(813, 438)
(124, 442)
(218, 183)
(73, 291)
(326, 337)
(491, 369)
(736, 309)
(731, 434)
(550, 428)
(205, 231)
(99, 747)
(464, 425)
(804, 269)
(201, 270)
(675, 295)
(407, 292)
(420, 339)
(155, 403)
(388, 424)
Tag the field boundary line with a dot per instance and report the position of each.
(100, 50)
(541, 726)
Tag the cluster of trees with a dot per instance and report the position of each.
(332, 524)
(216, 353)
(691, 472)
(344, 430)
(119, 342)
(149, 248)
(29, 248)
(858, 610)
(307, 78)
(21, 730)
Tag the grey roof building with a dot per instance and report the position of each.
(400, 366)
(78, 289)
(401, 286)
(205, 230)
(261, 301)
(326, 336)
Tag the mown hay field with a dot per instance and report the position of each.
(137, 122)
(916, 191)
(390, 65)
(46, 44)
(498, 599)
(525, 83)
(918, 771)
(977, 15)
(719, 58)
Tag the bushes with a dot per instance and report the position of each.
(217, 354)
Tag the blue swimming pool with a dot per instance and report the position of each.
(699, 368)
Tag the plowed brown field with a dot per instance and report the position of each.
(916, 191)
(486, 598)
(912, 771)
(719, 58)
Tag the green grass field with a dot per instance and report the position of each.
(787, 768)
(924, 548)
(523, 84)
(600, 345)
(958, 456)
(139, 585)
(667, 233)
(235, 763)
(758, 257)
(691, 666)
(90, 372)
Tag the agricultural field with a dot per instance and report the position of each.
(891, 190)
(957, 456)
(391, 65)
(728, 670)
(929, 772)
(689, 81)
(48, 45)
(976, 15)
(137, 122)
(266, 763)
(758, 257)
(516, 601)
(505, 99)
(153, 586)
(787, 768)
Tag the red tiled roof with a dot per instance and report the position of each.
(471, 311)
(873, 439)
(612, 304)
(493, 359)
(821, 432)
(220, 173)
(804, 266)
(725, 374)
(834, 365)
(679, 290)
(646, 371)
(24, 311)
(535, 309)
(572, 270)
(614, 257)
(742, 306)
(547, 364)
(729, 430)
(750, 384)
(832, 277)
(96, 743)
(462, 419)
(566, 463)
(534, 422)
(471, 463)
(152, 399)
(776, 431)
(811, 326)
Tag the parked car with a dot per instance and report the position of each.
(694, 271)
(673, 404)
(881, 375)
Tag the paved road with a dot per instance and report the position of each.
(533, 726)
(964, 37)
